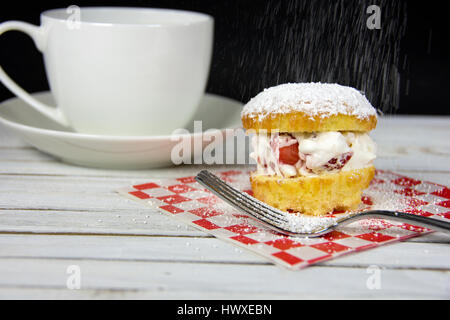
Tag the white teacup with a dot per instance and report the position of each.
(120, 71)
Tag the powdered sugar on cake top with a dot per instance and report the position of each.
(313, 99)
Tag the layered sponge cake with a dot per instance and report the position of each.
(311, 146)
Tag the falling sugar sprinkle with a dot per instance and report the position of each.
(317, 41)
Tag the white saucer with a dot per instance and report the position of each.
(116, 152)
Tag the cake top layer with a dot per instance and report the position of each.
(312, 99)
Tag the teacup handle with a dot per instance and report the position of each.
(38, 34)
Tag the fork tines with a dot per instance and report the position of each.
(241, 200)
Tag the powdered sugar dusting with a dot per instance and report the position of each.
(308, 224)
(313, 99)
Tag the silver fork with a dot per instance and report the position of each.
(277, 220)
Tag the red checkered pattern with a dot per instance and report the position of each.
(188, 201)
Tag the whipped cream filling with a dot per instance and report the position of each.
(311, 154)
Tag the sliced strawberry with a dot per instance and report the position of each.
(289, 154)
(338, 162)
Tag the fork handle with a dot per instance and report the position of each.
(437, 225)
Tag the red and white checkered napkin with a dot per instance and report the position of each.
(186, 200)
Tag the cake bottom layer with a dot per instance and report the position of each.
(315, 196)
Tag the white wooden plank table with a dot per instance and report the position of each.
(54, 215)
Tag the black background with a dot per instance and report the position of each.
(424, 84)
